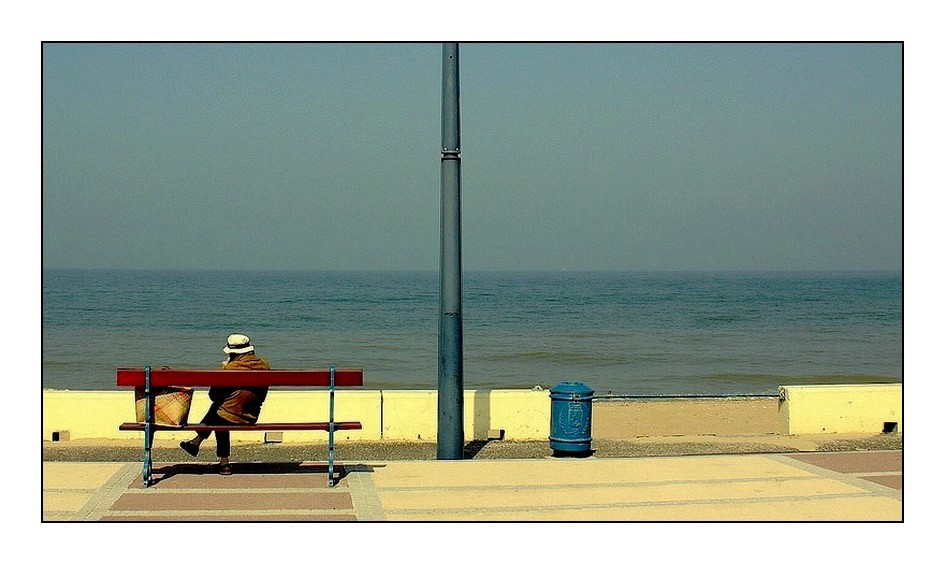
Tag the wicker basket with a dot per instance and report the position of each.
(171, 405)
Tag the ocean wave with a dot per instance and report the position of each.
(788, 380)
(560, 357)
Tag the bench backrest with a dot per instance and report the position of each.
(241, 378)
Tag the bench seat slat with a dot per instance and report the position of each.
(241, 378)
(301, 426)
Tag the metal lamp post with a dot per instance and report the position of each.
(449, 437)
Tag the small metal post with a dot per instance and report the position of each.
(148, 423)
(331, 428)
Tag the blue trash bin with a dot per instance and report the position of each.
(571, 419)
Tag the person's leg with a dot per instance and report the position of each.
(223, 451)
(223, 444)
(222, 439)
(192, 447)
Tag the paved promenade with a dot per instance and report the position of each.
(808, 486)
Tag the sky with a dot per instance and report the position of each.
(575, 156)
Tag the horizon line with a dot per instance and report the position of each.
(485, 271)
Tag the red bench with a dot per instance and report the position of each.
(151, 380)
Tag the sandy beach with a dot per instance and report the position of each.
(684, 417)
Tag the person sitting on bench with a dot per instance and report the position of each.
(231, 406)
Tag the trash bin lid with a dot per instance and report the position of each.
(572, 388)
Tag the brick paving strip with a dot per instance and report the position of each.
(83, 491)
(194, 492)
(255, 492)
(367, 505)
(866, 469)
(109, 494)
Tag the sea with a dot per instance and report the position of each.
(623, 334)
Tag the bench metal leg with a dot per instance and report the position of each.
(148, 422)
(331, 429)
(146, 471)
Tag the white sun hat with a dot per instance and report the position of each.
(238, 344)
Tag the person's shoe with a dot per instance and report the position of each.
(226, 470)
(190, 448)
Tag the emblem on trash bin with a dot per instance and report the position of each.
(573, 420)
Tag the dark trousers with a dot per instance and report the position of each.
(222, 437)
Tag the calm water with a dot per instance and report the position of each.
(625, 333)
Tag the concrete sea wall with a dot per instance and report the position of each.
(859, 408)
(384, 415)
(517, 414)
